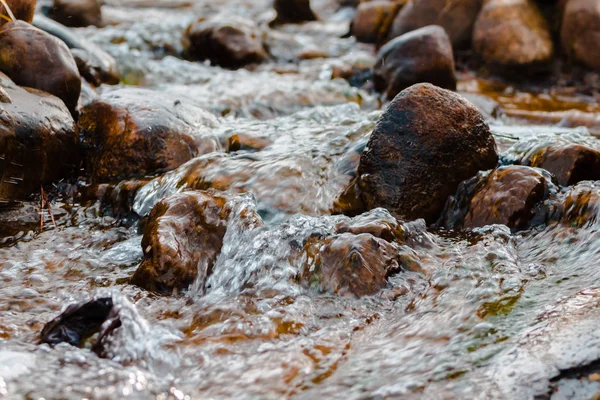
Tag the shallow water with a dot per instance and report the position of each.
(487, 314)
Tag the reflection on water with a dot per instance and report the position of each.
(484, 315)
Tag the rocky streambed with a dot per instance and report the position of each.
(334, 199)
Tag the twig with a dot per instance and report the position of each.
(8, 10)
(49, 209)
(41, 211)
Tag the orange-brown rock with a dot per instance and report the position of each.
(456, 17)
(182, 240)
(78, 13)
(230, 42)
(423, 55)
(139, 132)
(38, 140)
(512, 34)
(580, 32)
(350, 264)
(581, 205)
(293, 11)
(33, 58)
(426, 143)
(373, 20)
(508, 196)
(23, 10)
(570, 163)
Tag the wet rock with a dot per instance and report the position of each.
(570, 163)
(94, 64)
(245, 142)
(78, 322)
(182, 240)
(512, 34)
(33, 58)
(580, 32)
(373, 20)
(456, 17)
(22, 10)
(38, 140)
(78, 13)
(424, 55)
(507, 196)
(231, 42)
(293, 11)
(356, 265)
(580, 206)
(138, 132)
(426, 143)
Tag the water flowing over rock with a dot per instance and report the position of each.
(182, 240)
(580, 32)
(137, 132)
(509, 196)
(33, 58)
(22, 10)
(456, 17)
(423, 55)
(512, 34)
(39, 140)
(426, 143)
(230, 42)
(77, 13)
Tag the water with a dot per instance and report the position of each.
(487, 314)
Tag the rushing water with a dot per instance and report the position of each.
(487, 314)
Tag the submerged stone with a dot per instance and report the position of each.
(182, 240)
(426, 143)
(353, 264)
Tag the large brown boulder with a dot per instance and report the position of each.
(293, 11)
(182, 240)
(456, 17)
(508, 195)
(22, 10)
(138, 132)
(33, 58)
(78, 13)
(423, 55)
(512, 34)
(426, 143)
(580, 32)
(231, 42)
(38, 140)
(373, 20)
(569, 163)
